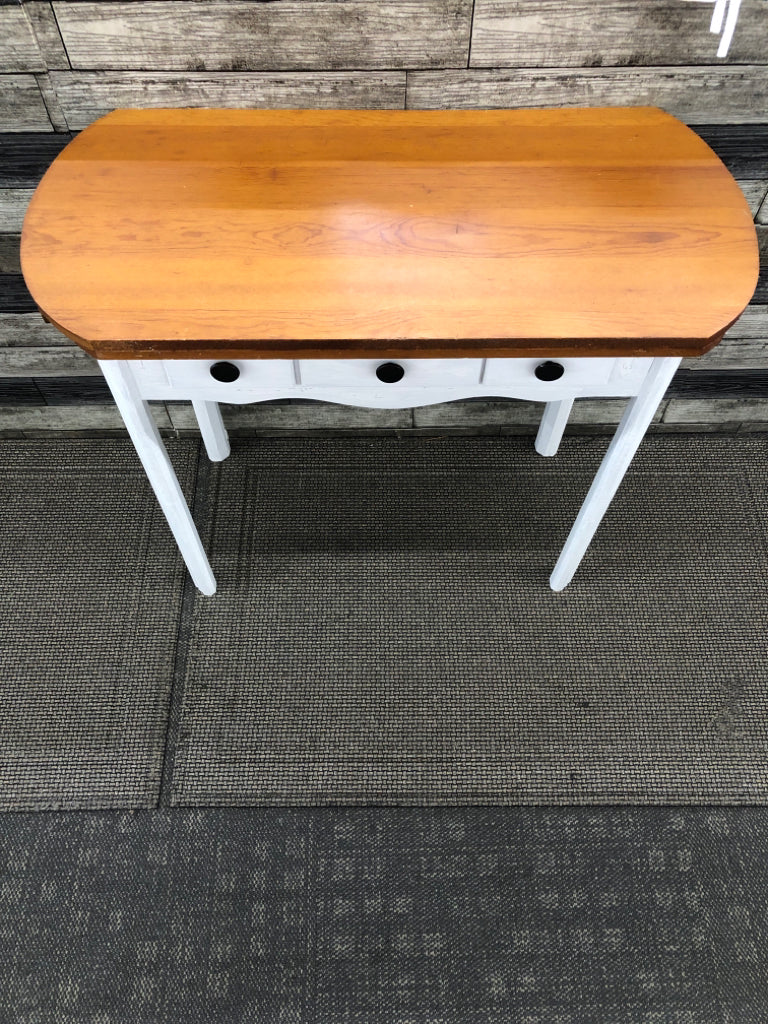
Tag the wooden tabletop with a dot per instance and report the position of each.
(296, 233)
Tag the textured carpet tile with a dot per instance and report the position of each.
(384, 631)
(90, 591)
(399, 916)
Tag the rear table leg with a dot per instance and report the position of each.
(628, 436)
(552, 425)
(160, 472)
(212, 428)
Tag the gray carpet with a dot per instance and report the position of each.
(90, 598)
(385, 916)
(384, 632)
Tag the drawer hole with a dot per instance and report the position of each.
(225, 372)
(549, 371)
(390, 373)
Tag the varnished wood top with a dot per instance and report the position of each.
(190, 233)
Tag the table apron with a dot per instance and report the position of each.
(354, 382)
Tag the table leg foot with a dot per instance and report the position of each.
(628, 436)
(154, 458)
(552, 426)
(212, 429)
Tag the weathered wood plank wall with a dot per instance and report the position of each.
(63, 63)
(188, 35)
(452, 52)
(86, 95)
(696, 95)
(623, 33)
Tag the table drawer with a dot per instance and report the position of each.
(568, 373)
(229, 373)
(405, 373)
(565, 372)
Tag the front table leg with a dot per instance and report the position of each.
(157, 466)
(629, 434)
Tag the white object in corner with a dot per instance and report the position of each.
(731, 17)
(726, 12)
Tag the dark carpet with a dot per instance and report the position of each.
(388, 916)
(384, 632)
(90, 598)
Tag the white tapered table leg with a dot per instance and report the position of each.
(212, 429)
(552, 426)
(629, 434)
(160, 472)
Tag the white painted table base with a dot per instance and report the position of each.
(353, 382)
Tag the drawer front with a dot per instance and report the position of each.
(622, 375)
(405, 373)
(575, 372)
(247, 373)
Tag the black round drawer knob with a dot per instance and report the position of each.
(549, 370)
(225, 372)
(390, 373)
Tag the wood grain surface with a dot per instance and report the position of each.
(43, 23)
(13, 206)
(87, 95)
(18, 47)
(21, 105)
(755, 193)
(727, 94)
(743, 148)
(580, 33)
(240, 35)
(385, 233)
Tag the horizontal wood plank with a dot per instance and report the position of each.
(47, 362)
(734, 354)
(57, 420)
(21, 105)
(716, 413)
(19, 393)
(624, 33)
(751, 325)
(754, 193)
(29, 330)
(26, 156)
(14, 295)
(51, 101)
(719, 384)
(85, 96)
(10, 262)
(46, 31)
(13, 206)
(249, 36)
(761, 292)
(18, 47)
(743, 148)
(711, 95)
(69, 389)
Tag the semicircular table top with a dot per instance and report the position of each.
(288, 233)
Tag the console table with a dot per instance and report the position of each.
(389, 259)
